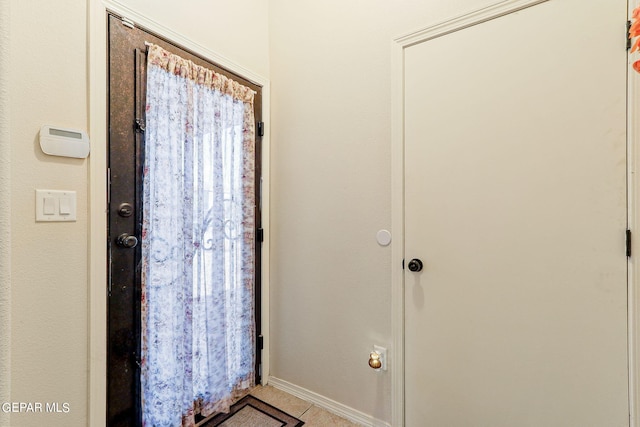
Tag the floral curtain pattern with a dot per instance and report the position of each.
(198, 241)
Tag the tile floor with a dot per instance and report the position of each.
(305, 411)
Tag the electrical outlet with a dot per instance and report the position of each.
(383, 356)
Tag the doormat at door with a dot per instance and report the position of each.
(252, 412)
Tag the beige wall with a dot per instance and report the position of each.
(5, 214)
(48, 264)
(48, 84)
(215, 26)
(331, 176)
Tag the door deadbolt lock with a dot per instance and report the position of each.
(125, 210)
(415, 265)
(126, 240)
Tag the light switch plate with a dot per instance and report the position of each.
(65, 212)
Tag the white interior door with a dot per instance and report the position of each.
(515, 201)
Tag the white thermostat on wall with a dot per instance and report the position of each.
(64, 142)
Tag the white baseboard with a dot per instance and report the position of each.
(328, 404)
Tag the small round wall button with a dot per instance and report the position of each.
(383, 237)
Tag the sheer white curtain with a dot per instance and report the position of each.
(197, 242)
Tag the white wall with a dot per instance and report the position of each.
(48, 84)
(330, 131)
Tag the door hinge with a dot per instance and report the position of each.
(628, 35)
(260, 342)
(128, 23)
(628, 238)
(108, 187)
(260, 128)
(260, 235)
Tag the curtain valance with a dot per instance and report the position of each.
(182, 67)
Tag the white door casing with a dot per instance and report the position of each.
(509, 182)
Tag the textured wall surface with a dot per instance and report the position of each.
(237, 30)
(5, 217)
(47, 79)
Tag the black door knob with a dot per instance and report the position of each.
(126, 240)
(415, 265)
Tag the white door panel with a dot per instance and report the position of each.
(515, 200)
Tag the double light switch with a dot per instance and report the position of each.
(55, 205)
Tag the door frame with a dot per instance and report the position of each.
(97, 259)
(398, 46)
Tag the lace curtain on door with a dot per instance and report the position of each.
(197, 242)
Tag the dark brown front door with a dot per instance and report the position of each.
(126, 86)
